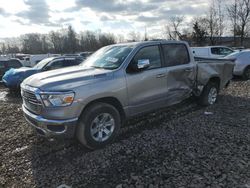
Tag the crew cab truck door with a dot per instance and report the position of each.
(180, 72)
(146, 88)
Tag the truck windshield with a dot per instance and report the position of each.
(42, 63)
(110, 57)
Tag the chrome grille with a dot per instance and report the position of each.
(30, 96)
(31, 102)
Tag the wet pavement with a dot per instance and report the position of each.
(7, 96)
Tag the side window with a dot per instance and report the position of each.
(175, 54)
(152, 53)
(68, 63)
(55, 65)
(225, 51)
(215, 51)
(14, 64)
(221, 51)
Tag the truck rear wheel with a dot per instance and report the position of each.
(98, 125)
(209, 94)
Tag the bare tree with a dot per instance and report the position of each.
(221, 14)
(173, 28)
(212, 22)
(232, 11)
(57, 41)
(70, 41)
(31, 43)
(199, 31)
(3, 48)
(244, 15)
(134, 36)
(239, 14)
(106, 39)
(120, 38)
(88, 41)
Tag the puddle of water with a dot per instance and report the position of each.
(3, 96)
(6, 96)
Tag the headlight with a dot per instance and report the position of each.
(56, 100)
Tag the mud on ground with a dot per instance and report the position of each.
(182, 146)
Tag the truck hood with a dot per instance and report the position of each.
(67, 78)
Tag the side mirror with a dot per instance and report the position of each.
(140, 65)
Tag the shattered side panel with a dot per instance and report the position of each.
(208, 69)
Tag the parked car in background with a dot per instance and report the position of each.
(117, 82)
(32, 60)
(242, 63)
(71, 55)
(5, 65)
(21, 57)
(13, 78)
(212, 51)
(85, 55)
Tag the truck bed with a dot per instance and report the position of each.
(210, 67)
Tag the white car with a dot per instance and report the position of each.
(242, 63)
(212, 51)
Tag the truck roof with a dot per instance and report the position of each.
(150, 42)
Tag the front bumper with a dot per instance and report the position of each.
(51, 128)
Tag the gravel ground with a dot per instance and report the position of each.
(182, 146)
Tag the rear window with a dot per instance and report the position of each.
(72, 62)
(175, 54)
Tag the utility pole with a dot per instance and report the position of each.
(145, 34)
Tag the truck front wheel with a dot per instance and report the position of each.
(98, 125)
(209, 94)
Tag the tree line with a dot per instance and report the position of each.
(60, 42)
(222, 18)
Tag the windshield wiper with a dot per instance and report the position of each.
(106, 68)
(96, 67)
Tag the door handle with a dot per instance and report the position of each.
(160, 75)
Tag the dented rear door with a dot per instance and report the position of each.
(180, 72)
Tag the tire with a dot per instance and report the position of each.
(246, 74)
(209, 94)
(99, 117)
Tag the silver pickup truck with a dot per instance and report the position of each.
(92, 101)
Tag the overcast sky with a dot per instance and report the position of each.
(117, 16)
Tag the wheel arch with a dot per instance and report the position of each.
(215, 79)
(109, 100)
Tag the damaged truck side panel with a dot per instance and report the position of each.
(214, 69)
(91, 101)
